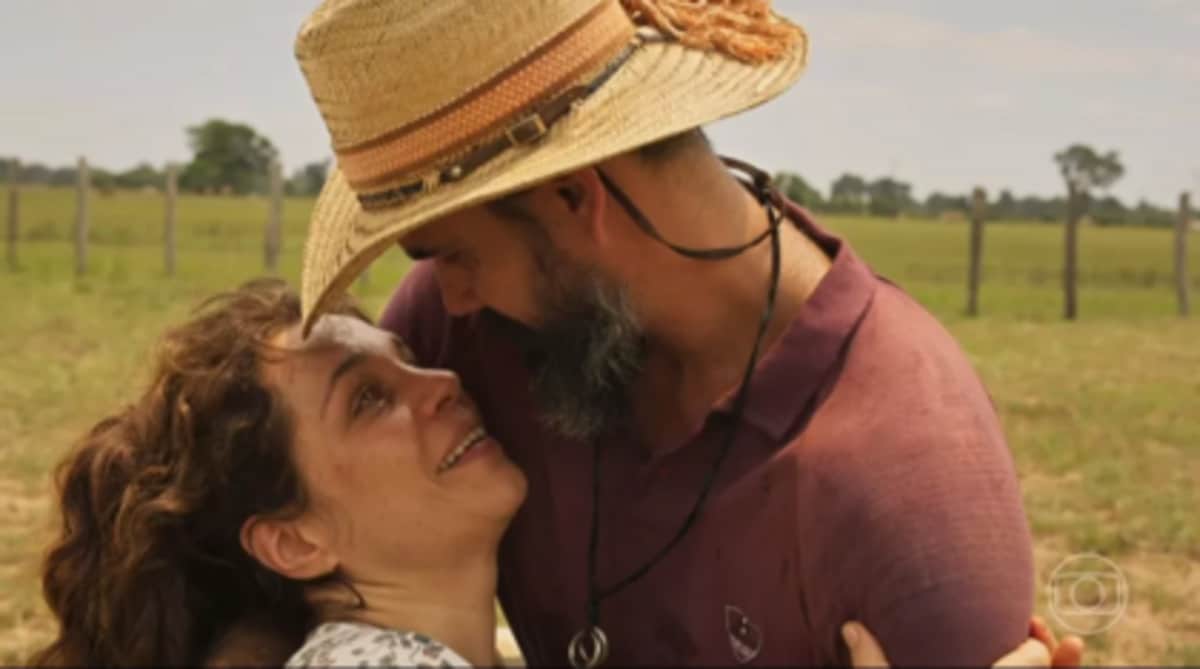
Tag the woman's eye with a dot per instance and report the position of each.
(370, 397)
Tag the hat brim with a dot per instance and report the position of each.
(662, 90)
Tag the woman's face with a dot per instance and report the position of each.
(394, 457)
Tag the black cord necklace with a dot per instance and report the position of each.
(589, 647)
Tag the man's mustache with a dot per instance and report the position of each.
(527, 339)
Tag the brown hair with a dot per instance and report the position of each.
(148, 568)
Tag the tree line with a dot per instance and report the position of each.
(227, 158)
(891, 198)
(234, 158)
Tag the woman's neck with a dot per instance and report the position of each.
(454, 605)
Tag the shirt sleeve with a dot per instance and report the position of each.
(932, 551)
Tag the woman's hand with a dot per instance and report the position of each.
(1040, 650)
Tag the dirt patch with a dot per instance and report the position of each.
(24, 621)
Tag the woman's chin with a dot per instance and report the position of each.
(508, 493)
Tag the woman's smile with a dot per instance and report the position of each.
(465, 445)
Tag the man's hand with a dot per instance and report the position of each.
(1040, 650)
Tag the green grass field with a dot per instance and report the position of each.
(1101, 413)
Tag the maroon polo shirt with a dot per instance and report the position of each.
(870, 480)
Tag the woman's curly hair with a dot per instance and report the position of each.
(148, 568)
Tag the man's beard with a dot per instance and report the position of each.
(585, 355)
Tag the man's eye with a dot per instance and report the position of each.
(369, 397)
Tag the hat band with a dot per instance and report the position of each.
(489, 110)
(528, 130)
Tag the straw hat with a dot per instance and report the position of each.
(437, 106)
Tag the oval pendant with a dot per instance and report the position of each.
(588, 649)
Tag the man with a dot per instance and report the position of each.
(604, 286)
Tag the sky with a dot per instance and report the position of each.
(944, 94)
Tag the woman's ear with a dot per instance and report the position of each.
(284, 547)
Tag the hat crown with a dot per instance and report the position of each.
(377, 65)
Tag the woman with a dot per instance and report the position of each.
(324, 484)
(324, 480)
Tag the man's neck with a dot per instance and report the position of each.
(706, 319)
(454, 604)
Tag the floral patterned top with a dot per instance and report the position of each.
(363, 645)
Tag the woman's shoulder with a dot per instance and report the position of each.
(351, 644)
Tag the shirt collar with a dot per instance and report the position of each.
(790, 374)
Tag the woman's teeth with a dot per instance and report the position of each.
(472, 440)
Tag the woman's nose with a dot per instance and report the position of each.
(435, 390)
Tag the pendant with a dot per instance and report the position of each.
(588, 649)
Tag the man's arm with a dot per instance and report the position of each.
(923, 539)
(1040, 650)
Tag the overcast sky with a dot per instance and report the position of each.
(944, 94)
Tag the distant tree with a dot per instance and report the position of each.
(1005, 206)
(1046, 210)
(1148, 214)
(889, 197)
(227, 155)
(308, 180)
(1083, 170)
(9, 167)
(795, 188)
(35, 173)
(938, 204)
(61, 176)
(849, 194)
(142, 176)
(1109, 211)
(101, 179)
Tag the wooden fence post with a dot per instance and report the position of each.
(14, 213)
(975, 269)
(82, 188)
(1182, 286)
(274, 232)
(172, 192)
(1077, 200)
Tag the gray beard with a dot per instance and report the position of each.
(584, 358)
(592, 350)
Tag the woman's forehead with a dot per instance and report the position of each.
(340, 332)
(333, 338)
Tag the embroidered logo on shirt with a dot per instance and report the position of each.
(745, 639)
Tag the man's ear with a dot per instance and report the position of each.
(584, 197)
(286, 548)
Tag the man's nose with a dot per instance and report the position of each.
(458, 291)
